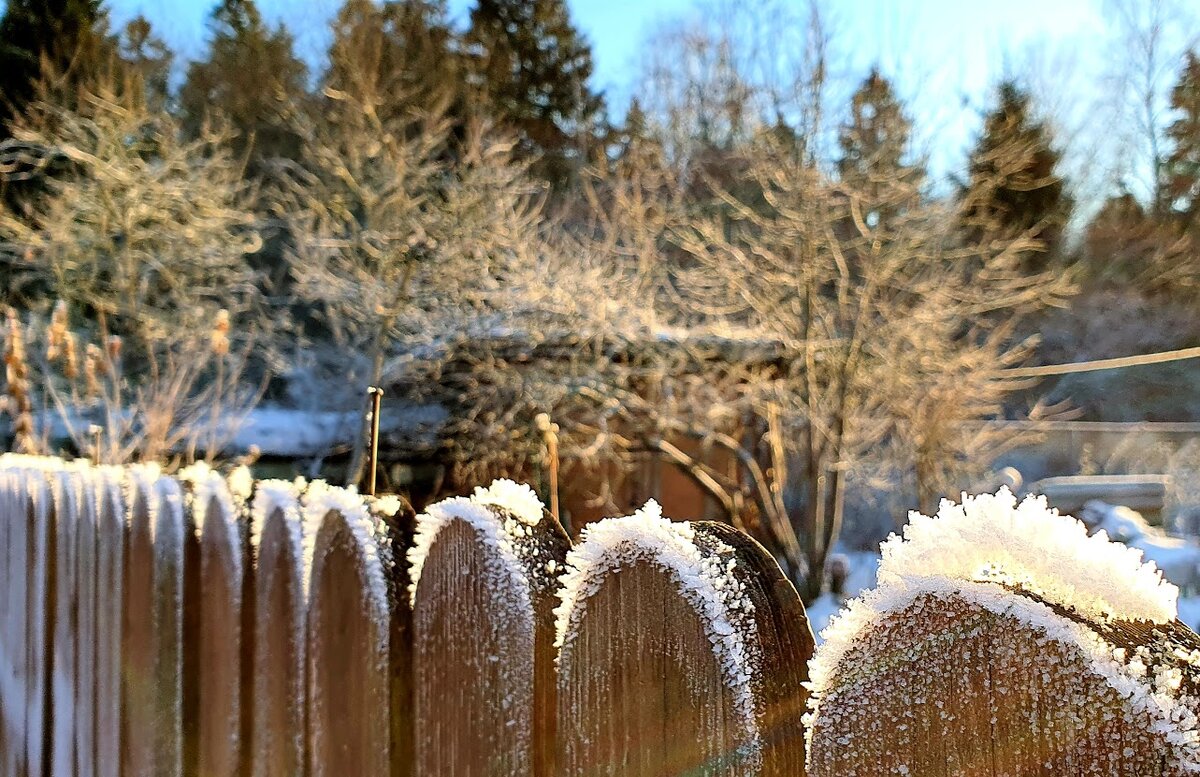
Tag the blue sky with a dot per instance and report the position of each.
(943, 55)
(968, 41)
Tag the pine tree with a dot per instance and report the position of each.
(395, 56)
(1015, 188)
(1183, 162)
(148, 60)
(874, 145)
(251, 79)
(32, 31)
(531, 68)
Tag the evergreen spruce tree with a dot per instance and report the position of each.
(63, 33)
(251, 78)
(1183, 161)
(1014, 184)
(396, 56)
(874, 145)
(148, 61)
(531, 69)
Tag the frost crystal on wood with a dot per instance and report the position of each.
(279, 694)
(1002, 634)
(681, 650)
(482, 574)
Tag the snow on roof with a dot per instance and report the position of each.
(703, 580)
(494, 522)
(518, 498)
(974, 549)
(1028, 545)
(319, 500)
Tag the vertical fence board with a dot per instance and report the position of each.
(220, 647)
(682, 652)
(111, 537)
(280, 712)
(86, 609)
(397, 521)
(170, 530)
(137, 655)
(152, 727)
(212, 645)
(347, 633)
(13, 526)
(945, 686)
(483, 638)
(64, 635)
(39, 552)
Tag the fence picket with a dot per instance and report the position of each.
(347, 648)
(280, 710)
(112, 534)
(678, 654)
(483, 594)
(213, 628)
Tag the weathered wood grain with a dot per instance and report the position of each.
(86, 538)
(347, 655)
(483, 628)
(642, 689)
(280, 711)
(218, 644)
(152, 630)
(111, 536)
(947, 687)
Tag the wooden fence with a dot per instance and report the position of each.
(198, 625)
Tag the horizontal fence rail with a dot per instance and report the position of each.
(210, 626)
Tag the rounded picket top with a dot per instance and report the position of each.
(280, 713)
(347, 646)
(1001, 640)
(483, 582)
(152, 626)
(213, 627)
(682, 650)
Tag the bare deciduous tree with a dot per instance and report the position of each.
(145, 236)
(762, 343)
(393, 222)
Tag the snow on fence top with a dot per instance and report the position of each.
(320, 499)
(207, 487)
(1055, 602)
(505, 528)
(1030, 546)
(284, 496)
(703, 580)
(517, 498)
